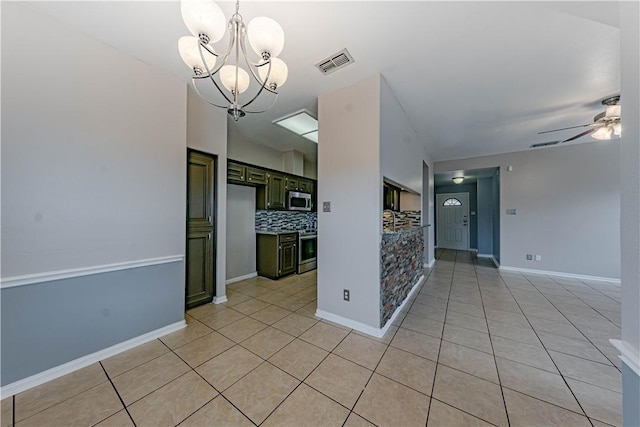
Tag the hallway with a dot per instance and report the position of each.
(472, 347)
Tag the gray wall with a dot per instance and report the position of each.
(48, 324)
(349, 235)
(630, 219)
(93, 173)
(473, 206)
(567, 201)
(241, 235)
(485, 216)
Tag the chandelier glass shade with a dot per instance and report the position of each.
(224, 69)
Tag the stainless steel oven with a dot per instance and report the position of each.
(307, 247)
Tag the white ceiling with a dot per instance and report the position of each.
(475, 78)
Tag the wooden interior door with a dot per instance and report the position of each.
(201, 236)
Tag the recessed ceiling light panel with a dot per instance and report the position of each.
(302, 123)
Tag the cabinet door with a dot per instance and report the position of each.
(305, 186)
(288, 258)
(292, 183)
(276, 191)
(256, 176)
(199, 267)
(236, 172)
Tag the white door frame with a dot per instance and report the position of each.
(439, 200)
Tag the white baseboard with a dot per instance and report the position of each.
(82, 362)
(430, 264)
(491, 257)
(239, 278)
(560, 274)
(628, 355)
(220, 299)
(30, 279)
(361, 327)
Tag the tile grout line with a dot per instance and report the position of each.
(205, 380)
(504, 400)
(568, 320)
(117, 394)
(446, 311)
(547, 351)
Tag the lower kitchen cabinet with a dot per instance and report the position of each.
(277, 255)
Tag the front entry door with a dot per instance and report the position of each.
(200, 268)
(453, 221)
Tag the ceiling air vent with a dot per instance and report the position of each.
(335, 62)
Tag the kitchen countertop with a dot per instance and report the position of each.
(406, 230)
(276, 232)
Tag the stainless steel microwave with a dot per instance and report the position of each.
(297, 201)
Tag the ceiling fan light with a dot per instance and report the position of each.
(228, 78)
(613, 111)
(617, 129)
(278, 74)
(204, 17)
(603, 133)
(190, 54)
(265, 36)
(458, 179)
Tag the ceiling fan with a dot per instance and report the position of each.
(604, 126)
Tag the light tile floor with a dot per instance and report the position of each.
(473, 347)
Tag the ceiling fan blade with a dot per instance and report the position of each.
(572, 127)
(544, 144)
(581, 134)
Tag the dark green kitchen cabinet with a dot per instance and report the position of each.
(243, 174)
(276, 255)
(305, 186)
(293, 183)
(274, 194)
(236, 172)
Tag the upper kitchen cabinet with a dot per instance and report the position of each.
(305, 185)
(238, 173)
(293, 183)
(274, 194)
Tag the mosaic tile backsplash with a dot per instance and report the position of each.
(401, 262)
(286, 220)
(403, 220)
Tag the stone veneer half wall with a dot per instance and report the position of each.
(401, 260)
(286, 220)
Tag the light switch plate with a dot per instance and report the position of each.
(326, 206)
(511, 211)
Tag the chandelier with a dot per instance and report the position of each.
(207, 23)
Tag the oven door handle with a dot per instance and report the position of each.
(308, 237)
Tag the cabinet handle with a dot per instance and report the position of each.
(208, 236)
(249, 178)
(209, 218)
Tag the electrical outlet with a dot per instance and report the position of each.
(538, 257)
(529, 257)
(326, 206)
(345, 294)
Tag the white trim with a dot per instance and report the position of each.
(430, 264)
(30, 279)
(491, 257)
(220, 299)
(560, 274)
(240, 278)
(627, 354)
(82, 362)
(361, 327)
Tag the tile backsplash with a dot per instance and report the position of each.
(285, 220)
(403, 220)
